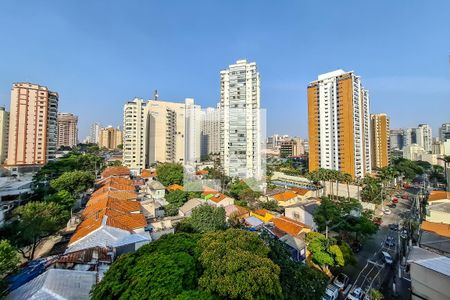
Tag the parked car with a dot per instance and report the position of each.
(356, 294)
(356, 247)
(387, 211)
(404, 234)
(341, 281)
(387, 257)
(393, 227)
(331, 293)
(392, 205)
(389, 241)
(394, 200)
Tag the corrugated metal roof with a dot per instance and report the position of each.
(439, 264)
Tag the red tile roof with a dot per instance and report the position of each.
(174, 187)
(288, 225)
(300, 191)
(148, 173)
(285, 196)
(441, 229)
(116, 171)
(438, 195)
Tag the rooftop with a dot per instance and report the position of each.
(439, 264)
(174, 187)
(285, 196)
(116, 171)
(438, 195)
(289, 226)
(441, 229)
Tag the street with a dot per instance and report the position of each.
(371, 271)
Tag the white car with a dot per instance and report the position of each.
(331, 293)
(341, 281)
(387, 257)
(387, 211)
(356, 294)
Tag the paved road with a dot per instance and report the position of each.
(370, 270)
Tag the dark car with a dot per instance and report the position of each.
(356, 247)
(392, 205)
(390, 241)
(393, 227)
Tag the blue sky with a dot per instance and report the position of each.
(99, 54)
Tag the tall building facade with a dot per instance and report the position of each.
(134, 134)
(210, 132)
(240, 130)
(160, 131)
(409, 137)
(338, 121)
(4, 130)
(110, 138)
(424, 136)
(396, 139)
(95, 133)
(67, 130)
(444, 132)
(32, 125)
(380, 135)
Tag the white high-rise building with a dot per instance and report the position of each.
(210, 135)
(95, 133)
(134, 135)
(241, 120)
(424, 137)
(338, 117)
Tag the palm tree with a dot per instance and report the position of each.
(347, 179)
(446, 160)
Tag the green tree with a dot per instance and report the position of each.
(376, 294)
(75, 182)
(175, 200)
(236, 265)
(269, 205)
(328, 213)
(207, 218)
(63, 198)
(325, 252)
(8, 258)
(162, 269)
(34, 222)
(371, 191)
(297, 281)
(170, 173)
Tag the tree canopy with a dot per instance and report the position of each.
(236, 265)
(34, 221)
(8, 258)
(207, 218)
(75, 182)
(324, 251)
(170, 173)
(175, 200)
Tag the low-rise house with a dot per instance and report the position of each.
(285, 198)
(429, 273)
(152, 208)
(174, 187)
(186, 209)
(262, 214)
(253, 223)
(57, 284)
(155, 189)
(435, 237)
(438, 208)
(303, 212)
(237, 211)
(148, 175)
(119, 171)
(218, 199)
(290, 226)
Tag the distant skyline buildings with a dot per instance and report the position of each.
(67, 130)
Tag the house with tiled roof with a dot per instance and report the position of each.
(290, 226)
(303, 211)
(262, 214)
(174, 187)
(148, 174)
(235, 210)
(112, 218)
(155, 189)
(439, 196)
(186, 209)
(217, 199)
(285, 198)
(438, 207)
(117, 171)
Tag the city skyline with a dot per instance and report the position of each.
(408, 67)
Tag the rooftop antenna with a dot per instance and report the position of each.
(155, 95)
